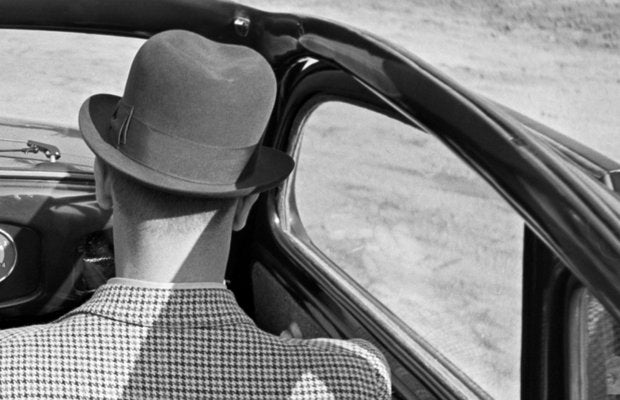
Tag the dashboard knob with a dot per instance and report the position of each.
(8, 255)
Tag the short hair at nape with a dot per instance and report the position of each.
(169, 211)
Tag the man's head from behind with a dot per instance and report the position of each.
(180, 154)
(166, 213)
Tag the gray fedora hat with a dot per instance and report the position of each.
(191, 119)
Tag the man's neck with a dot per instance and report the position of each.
(146, 253)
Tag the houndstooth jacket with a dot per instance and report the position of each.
(133, 342)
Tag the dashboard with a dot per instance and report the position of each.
(55, 245)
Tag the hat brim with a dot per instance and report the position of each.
(271, 166)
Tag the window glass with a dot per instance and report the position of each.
(595, 350)
(421, 232)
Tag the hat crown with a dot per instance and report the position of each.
(191, 119)
(194, 89)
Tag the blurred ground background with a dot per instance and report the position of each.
(557, 61)
(420, 231)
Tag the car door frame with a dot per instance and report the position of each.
(338, 304)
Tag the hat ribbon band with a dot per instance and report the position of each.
(177, 157)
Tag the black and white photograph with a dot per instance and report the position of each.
(286, 199)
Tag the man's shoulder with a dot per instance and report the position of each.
(356, 358)
(55, 330)
(17, 334)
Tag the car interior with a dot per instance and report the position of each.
(57, 249)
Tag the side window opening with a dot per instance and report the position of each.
(594, 349)
(421, 232)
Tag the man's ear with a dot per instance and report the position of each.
(103, 185)
(244, 205)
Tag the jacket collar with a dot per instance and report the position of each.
(169, 307)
